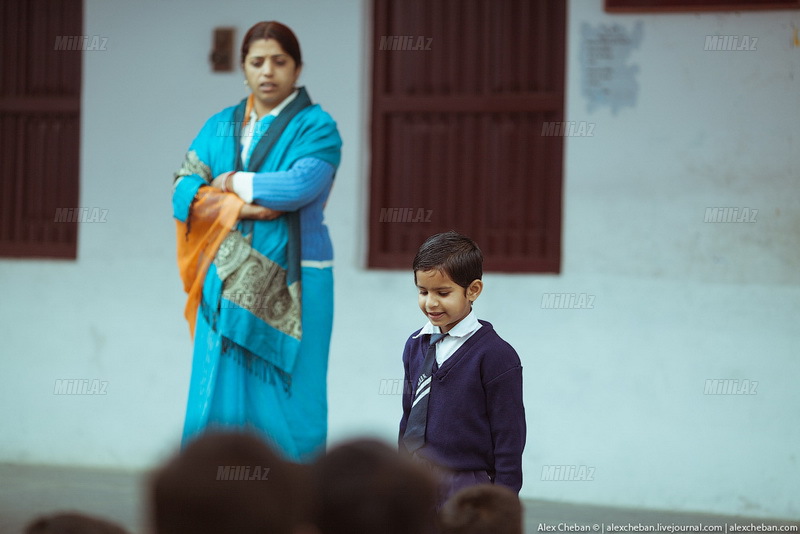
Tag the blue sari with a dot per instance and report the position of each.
(260, 342)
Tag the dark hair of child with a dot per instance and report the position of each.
(72, 523)
(454, 254)
(482, 509)
(366, 487)
(228, 482)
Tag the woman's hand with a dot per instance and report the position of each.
(249, 211)
(219, 181)
(258, 213)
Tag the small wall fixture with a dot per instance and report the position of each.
(222, 50)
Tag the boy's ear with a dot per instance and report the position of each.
(474, 290)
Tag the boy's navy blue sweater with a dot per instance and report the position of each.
(476, 420)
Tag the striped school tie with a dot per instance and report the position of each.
(414, 437)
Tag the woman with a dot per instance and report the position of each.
(249, 200)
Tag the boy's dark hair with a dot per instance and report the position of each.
(454, 254)
(228, 482)
(482, 509)
(367, 487)
(72, 523)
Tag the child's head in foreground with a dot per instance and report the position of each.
(366, 487)
(447, 272)
(482, 509)
(228, 482)
(73, 523)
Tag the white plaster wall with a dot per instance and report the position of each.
(618, 388)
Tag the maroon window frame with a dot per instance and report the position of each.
(461, 90)
(40, 90)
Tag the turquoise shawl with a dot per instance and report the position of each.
(251, 293)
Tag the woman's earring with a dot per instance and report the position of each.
(244, 82)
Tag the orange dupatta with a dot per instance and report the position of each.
(213, 215)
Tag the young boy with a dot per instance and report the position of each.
(462, 407)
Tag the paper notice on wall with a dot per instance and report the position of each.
(608, 79)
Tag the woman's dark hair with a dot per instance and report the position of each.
(273, 30)
(454, 254)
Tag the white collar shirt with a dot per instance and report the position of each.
(253, 123)
(455, 338)
(243, 181)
